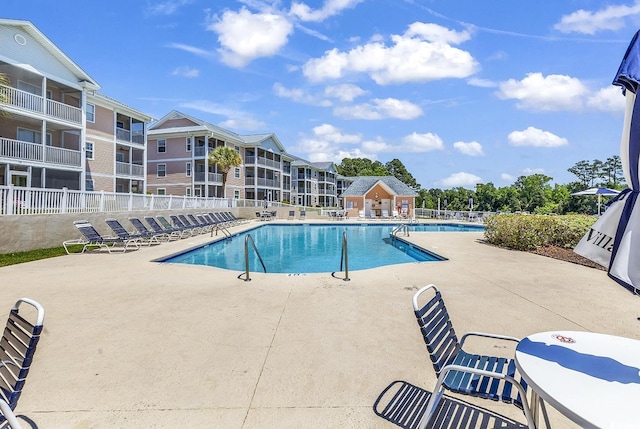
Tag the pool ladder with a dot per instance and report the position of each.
(248, 238)
(344, 258)
(400, 228)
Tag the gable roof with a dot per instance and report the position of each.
(198, 126)
(33, 56)
(362, 184)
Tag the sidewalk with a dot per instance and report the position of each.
(130, 343)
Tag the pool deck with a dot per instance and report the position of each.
(130, 343)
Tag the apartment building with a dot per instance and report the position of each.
(178, 162)
(55, 130)
(314, 183)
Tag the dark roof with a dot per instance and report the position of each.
(362, 184)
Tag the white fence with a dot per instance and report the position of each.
(30, 201)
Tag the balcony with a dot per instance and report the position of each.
(130, 170)
(127, 136)
(32, 103)
(38, 154)
(213, 178)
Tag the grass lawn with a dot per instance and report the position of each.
(31, 255)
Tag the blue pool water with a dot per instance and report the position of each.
(305, 248)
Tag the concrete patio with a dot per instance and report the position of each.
(130, 343)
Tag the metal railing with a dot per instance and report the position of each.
(400, 228)
(126, 169)
(344, 257)
(248, 239)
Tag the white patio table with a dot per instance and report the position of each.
(593, 379)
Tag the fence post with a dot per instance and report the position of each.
(170, 201)
(151, 203)
(65, 200)
(130, 206)
(101, 206)
(10, 200)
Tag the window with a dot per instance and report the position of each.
(162, 146)
(88, 184)
(188, 192)
(162, 170)
(188, 147)
(88, 149)
(236, 194)
(162, 191)
(91, 112)
(237, 148)
(236, 173)
(188, 169)
(120, 125)
(30, 88)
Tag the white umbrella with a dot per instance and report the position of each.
(599, 192)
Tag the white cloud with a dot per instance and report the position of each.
(236, 119)
(377, 146)
(346, 92)
(471, 149)
(587, 22)
(481, 83)
(330, 8)
(380, 109)
(536, 138)
(422, 142)
(334, 135)
(609, 99)
(192, 50)
(167, 7)
(460, 179)
(423, 53)
(299, 96)
(245, 36)
(532, 171)
(186, 71)
(507, 177)
(550, 93)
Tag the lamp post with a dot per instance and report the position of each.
(470, 205)
(445, 208)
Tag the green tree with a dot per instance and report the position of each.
(352, 167)
(4, 94)
(396, 168)
(612, 172)
(486, 197)
(533, 191)
(585, 172)
(225, 158)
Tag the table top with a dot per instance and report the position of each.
(593, 379)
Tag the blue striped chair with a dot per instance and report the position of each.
(17, 347)
(459, 371)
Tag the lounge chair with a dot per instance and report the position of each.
(302, 215)
(292, 215)
(151, 236)
(204, 226)
(186, 222)
(121, 232)
(93, 239)
(395, 214)
(179, 224)
(385, 214)
(172, 233)
(17, 348)
(222, 220)
(361, 215)
(459, 371)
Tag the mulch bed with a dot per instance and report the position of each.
(567, 255)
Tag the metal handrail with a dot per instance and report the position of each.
(246, 256)
(400, 228)
(344, 257)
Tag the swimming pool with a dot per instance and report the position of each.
(312, 248)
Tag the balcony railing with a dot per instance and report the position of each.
(213, 178)
(128, 136)
(37, 153)
(126, 169)
(24, 100)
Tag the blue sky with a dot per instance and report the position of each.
(462, 92)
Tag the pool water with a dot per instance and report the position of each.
(305, 248)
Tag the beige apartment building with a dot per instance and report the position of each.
(56, 131)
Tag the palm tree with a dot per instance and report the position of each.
(225, 158)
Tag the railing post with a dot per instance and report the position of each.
(101, 205)
(151, 203)
(130, 206)
(65, 200)
(10, 200)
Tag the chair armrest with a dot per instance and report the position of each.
(438, 390)
(487, 335)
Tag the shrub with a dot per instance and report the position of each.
(528, 232)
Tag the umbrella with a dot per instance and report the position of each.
(599, 192)
(613, 233)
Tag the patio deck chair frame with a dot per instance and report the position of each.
(149, 235)
(121, 232)
(93, 239)
(459, 371)
(172, 233)
(17, 348)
